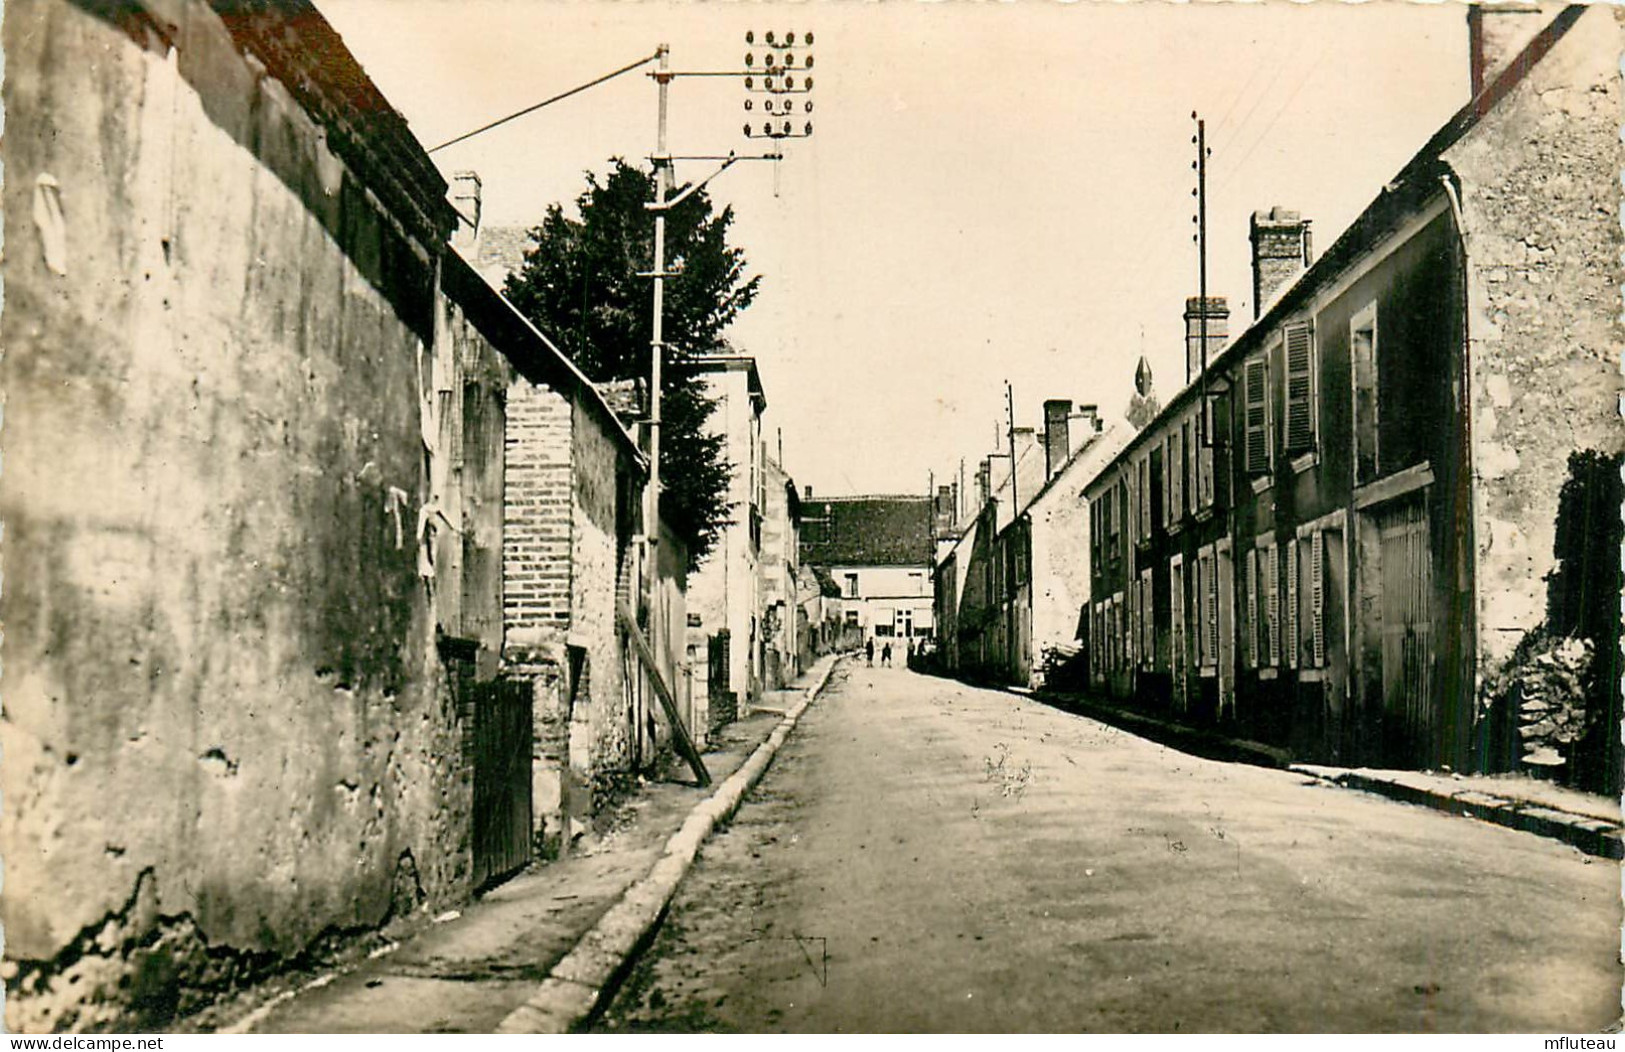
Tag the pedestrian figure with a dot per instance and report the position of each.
(885, 655)
(869, 652)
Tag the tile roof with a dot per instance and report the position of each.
(866, 531)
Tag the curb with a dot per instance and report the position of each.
(585, 980)
(1194, 740)
(1590, 835)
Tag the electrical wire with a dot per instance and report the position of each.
(629, 67)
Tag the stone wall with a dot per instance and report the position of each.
(1540, 197)
(228, 735)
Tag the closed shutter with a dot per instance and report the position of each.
(1180, 501)
(1252, 607)
(1256, 381)
(1145, 496)
(1212, 613)
(1167, 475)
(1300, 419)
(1150, 620)
(1272, 593)
(1317, 596)
(1293, 638)
(1133, 621)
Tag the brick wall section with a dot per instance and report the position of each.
(1540, 196)
(536, 565)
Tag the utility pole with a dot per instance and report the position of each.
(1199, 140)
(1010, 408)
(780, 79)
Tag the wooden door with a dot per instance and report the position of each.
(502, 756)
(1407, 630)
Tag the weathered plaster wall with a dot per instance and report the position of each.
(1060, 553)
(227, 732)
(1540, 197)
(598, 581)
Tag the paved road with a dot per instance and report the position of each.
(925, 856)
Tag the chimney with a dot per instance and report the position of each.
(1496, 34)
(1281, 251)
(1026, 446)
(1089, 416)
(1057, 428)
(1217, 311)
(984, 483)
(465, 198)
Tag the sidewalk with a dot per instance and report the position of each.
(1195, 740)
(472, 971)
(1590, 823)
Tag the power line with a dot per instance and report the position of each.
(545, 102)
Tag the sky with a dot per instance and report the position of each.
(992, 192)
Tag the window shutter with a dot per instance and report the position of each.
(1176, 477)
(1144, 496)
(1272, 592)
(1294, 640)
(1167, 473)
(1148, 625)
(1317, 595)
(1212, 613)
(1252, 608)
(1300, 421)
(1256, 388)
(1134, 622)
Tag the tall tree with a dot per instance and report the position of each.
(579, 283)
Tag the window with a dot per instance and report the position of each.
(1205, 429)
(1257, 388)
(1363, 350)
(852, 619)
(851, 586)
(907, 618)
(1300, 388)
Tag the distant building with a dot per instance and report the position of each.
(779, 563)
(1010, 592)
(877, 550)
(725, 593)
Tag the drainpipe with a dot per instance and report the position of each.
(1468, 560)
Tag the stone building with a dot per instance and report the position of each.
(784, 624)
(725, 593)
(877, 550)
(1374, 531)
(1010, 592)
(254, 512)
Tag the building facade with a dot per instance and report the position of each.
(877, 551)
(1362, 534)
(1010, 591)
(725, 593)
